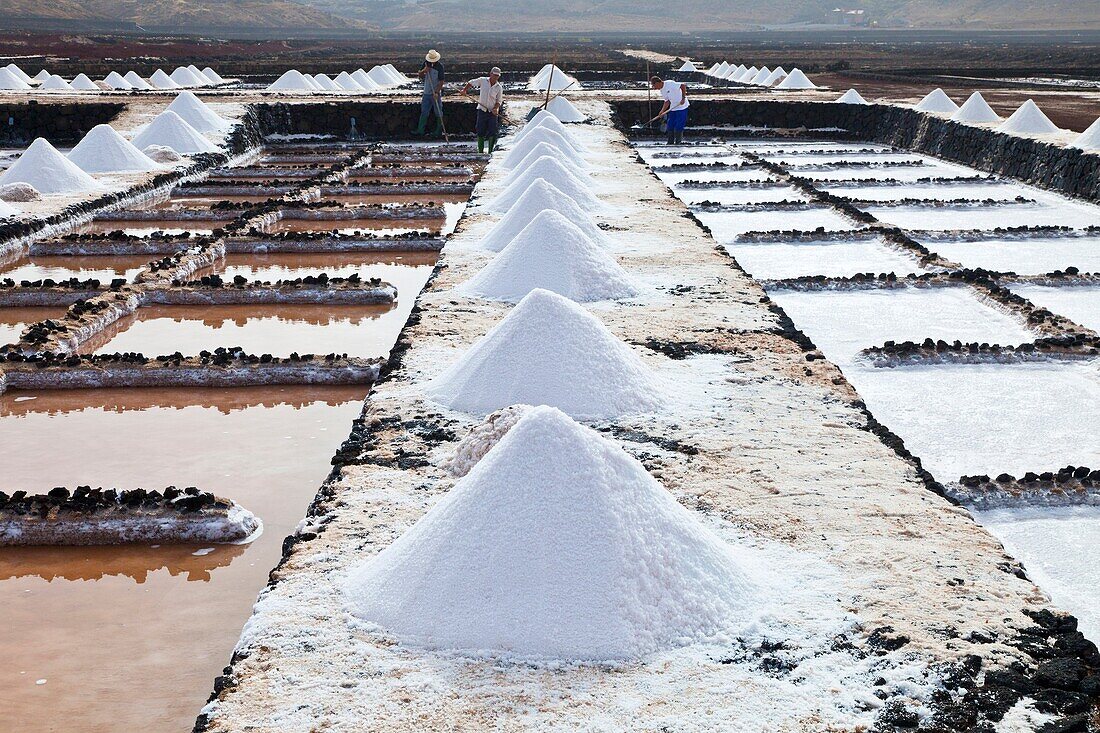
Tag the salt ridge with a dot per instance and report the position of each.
(555, 174)
(539, 196)
(171, 130)
(103, 150)
(197, 114)
(43, 167)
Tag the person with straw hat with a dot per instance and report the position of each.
(490, 96)
(432, 98)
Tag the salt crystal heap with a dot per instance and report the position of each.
(553, 173)
(199, 76)
(937, 101)
(184, 77)
(549, 351)
(197, 114)
(1089, 139)
(116, 80)
(538, 197)
(556, 546)
(7, 210)
(722, 68)
(103, 150)
(551, 253)
(761, 76)
(851, 97)
(347, 82)
(745, 76)
(55, 82)
(363, 80)
(291, 81)
(136, 81)
(9, 80)
(1028, 120)
(545, 150)
(796, 80)
(160, 80)
(554, 78)
(82, 83)
(19, 73)
(688, 66)
(49, 171)
(42, 75)
(522, 147)
(975, 109)
(778, 74)
(171, 130)
(564, 110)
(542, 123)
(326, 83)
(213, 76)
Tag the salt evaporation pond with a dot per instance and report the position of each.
(726, 225)
(13, 321)
(1077, 303)
(1054, 545)
(796, 159)
(1024, 256)
(1047, 211)
(716, 175)
(770, 261)
(931, 191)
(738, 196)
(139, 228)
(902, 174)
(153, 623)
(102, 268)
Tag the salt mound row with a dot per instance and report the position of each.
(82, 83)
(557, 545)
(197, 114)
(347, 82)
(538, 197)
(744, 76)
(49, 171)
(542, 135)
(1089, 139)
(733, 73)
(549, 351)
(722, 68)
(1028, 120)
(564, 110)
(136, 81)
(42, 75)
(553, 173)
(213, 76)
(326, 83)
(555, 78)
(777, 75)
(852, 97)
(544, 150)
(379, 76)
(103, 150)
(761, 76)
(688, 66)
(160, 80)
(546, 120)
(9, 80)
(116, 80)
(364, 81)
(553, 254)
(184, 77)
(796, 80)
(19, 73)
(201, 77)
(7, 210)
(171, 130)
(56, 82)
(975, 109)
(291, 81)
(313, 85)
(937, 101)
(398, 77)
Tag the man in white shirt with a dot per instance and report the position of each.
(490, 96)
(675, 106)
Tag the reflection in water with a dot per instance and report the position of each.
(131, 637)
(145, 228)
(13, 321)
(378, 227)
(103, 268)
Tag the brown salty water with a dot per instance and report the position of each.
(13, 321)
(130, 638)
(104, 268)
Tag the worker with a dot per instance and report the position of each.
(432, 99)
(490, 97)
(675, 107)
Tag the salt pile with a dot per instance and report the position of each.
(162, 154)
(557, 545)
(688, 66)
(103, 150)
(761, 76)
(851, 97)
(136, 81)
(564, 110)
(291, 81)
(171, 130)
(116, 80)
(777, 75)
(796, 80)
(197, 114)
(544, 150)
(56, 82)
(364, 81)
(975, 109)
(347, 82)
(554, 78)
(199, 76)
(9, 80)
(732, 73)
(379, 76)
(326, 83)
(160, 80)
(49, 171)
(549, 351)
(721, 69)
(538, 197)
(213, 76)
(19, 192)
(313, 85)
(745, 76)
(553, 254)
(937, 101)
(1028, 120)
(7, 210)
(544, 119)
(1089, 139)
(82, 83)
(42, 75)
(553, 173)
(398, 77)
(521, 147)
(19, 73)
(184, 77)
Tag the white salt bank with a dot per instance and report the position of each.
(554, 254)
(778, 74)
(556, 175)
(556, 546)
(19, 73)
(347, 82)
(103, 150)
(10, 81)
(549, 351)
(538, 197)
(796, 80)
(542, 122)
(213, 76)
(197, 114)
(975, 109)
(171, 130)
(43, 167)
(851, 97)
(938, 102)
(1028, 120)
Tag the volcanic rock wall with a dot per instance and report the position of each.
(1065, 170)
(61, 123)
(356, 120)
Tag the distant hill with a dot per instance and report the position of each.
(173, 15)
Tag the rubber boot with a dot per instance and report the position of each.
(438, 128)
(679, 137)
(670, 138)
(419, 129)
(481, 145)
(492, 144)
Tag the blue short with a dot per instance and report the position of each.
(678, 119)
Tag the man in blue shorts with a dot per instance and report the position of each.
(675, 106)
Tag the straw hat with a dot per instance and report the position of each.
(432, 56)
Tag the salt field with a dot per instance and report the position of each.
(834, 258)
(1080, 304)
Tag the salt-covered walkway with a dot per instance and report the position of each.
(895, 590)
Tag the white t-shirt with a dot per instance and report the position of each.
(671, 93)
(488, 95)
